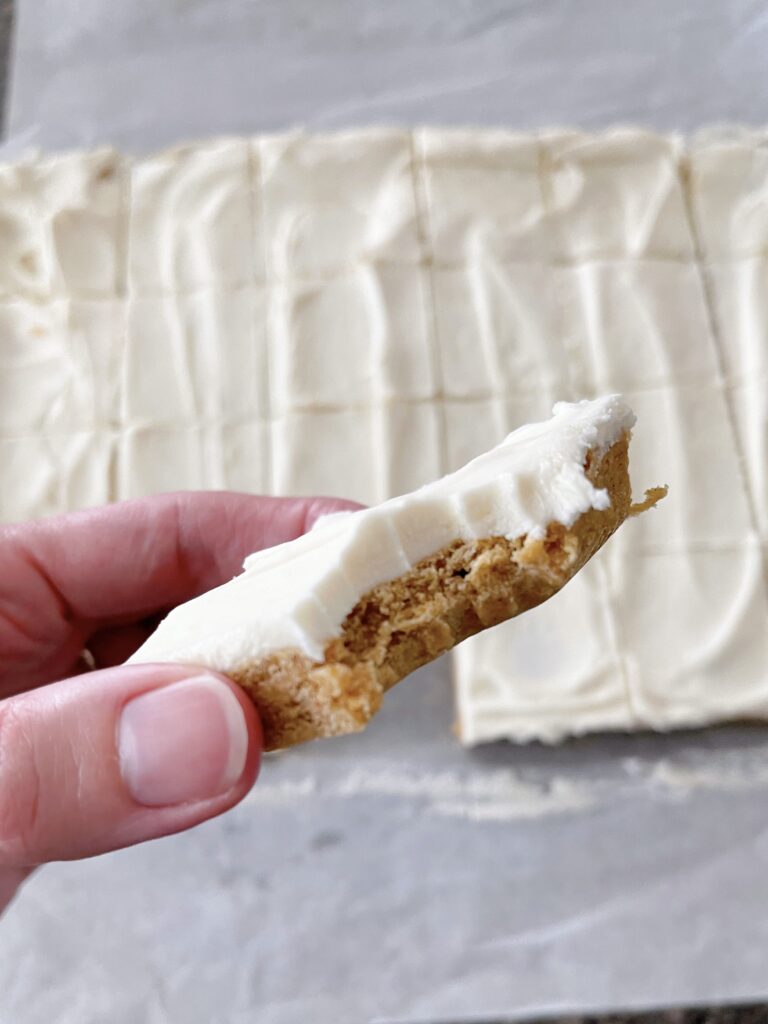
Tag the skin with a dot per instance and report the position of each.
(101, 579)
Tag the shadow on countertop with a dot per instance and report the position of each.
(743, 1014)
(753, 1014)
(6, 24)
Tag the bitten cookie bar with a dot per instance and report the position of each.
(316, 630)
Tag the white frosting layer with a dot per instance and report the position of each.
(298, 594)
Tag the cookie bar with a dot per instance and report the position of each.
(316, 630)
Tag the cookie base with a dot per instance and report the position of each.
(406, 622)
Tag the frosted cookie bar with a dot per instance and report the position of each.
(316, 630)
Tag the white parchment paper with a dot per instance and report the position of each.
(392, 876)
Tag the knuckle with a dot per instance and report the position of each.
(19, 785)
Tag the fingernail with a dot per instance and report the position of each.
(183, 743)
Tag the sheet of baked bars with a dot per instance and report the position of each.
(358, 313)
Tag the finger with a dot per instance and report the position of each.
(11, 880)
(117, 757)
(61, 578)
(115, 644)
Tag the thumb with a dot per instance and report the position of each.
(116, 757)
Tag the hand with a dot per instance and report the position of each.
(106, 758)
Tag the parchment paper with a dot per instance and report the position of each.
(393, 876)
